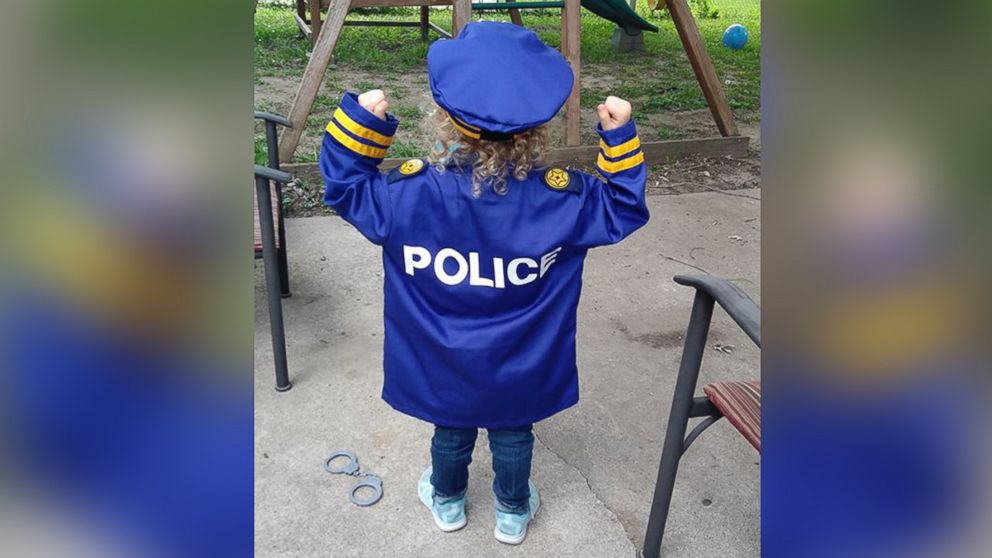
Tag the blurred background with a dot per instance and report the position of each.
(876, 273)
(126, 353)
(126, 289)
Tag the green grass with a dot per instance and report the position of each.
(406, 113)
(307, 155)
(261, 154)
(280, 50)
(666, 133)
(657, 81)
(405, 149)
(366, 85)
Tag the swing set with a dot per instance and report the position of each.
(324, 35)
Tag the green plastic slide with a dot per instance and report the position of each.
(619, 12)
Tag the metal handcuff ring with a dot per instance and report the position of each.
(351, 469)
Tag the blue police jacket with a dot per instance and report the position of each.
(480, 293)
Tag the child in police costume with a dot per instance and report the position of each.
(483, 252)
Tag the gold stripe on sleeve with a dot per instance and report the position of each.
(361, 131)
(622, 149)
(352, 144)
(612, 167)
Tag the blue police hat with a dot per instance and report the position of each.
(497, 79)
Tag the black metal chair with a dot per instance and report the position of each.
(270, 229)
(740, 402)
(272, 151)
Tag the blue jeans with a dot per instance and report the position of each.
(451, 453)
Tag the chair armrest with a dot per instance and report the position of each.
(273, 174)
(269, 117)
(731, 298)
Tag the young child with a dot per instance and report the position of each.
(483, 252)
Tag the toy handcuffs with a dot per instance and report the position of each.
(351, 469)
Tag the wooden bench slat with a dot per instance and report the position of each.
(740, 402)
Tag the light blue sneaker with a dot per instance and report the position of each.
(449, 516)
(511, 528)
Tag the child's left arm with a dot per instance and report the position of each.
(355, 143)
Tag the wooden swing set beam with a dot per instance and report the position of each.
(655, 152)
(702, 65)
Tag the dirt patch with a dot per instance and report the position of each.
(731, 175)
(696, 174)
(593, 81)
(656, 340)
(275, 94)
(410, 98)
(408, 93)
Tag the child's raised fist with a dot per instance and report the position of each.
(374, 101)
(613, 113)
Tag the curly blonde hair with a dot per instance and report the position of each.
(492, 162)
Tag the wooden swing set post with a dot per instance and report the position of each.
(515, 15)
(460, 16)
(313, 76)
(315, 22)
(571, 49)
(323, 49)
(425, 23)
(702, 65)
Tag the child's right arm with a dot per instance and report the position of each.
(612, 211)
(354, 144)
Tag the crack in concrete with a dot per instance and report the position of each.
(726, 193)
(696, 267)
(633, 544)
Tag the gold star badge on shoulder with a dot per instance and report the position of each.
(411, 167)
(557, 178)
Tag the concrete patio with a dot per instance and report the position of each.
(594, 463)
